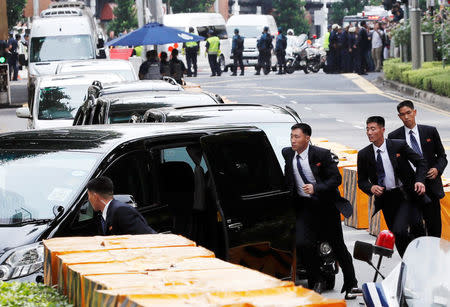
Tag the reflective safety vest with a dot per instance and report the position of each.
(139, 50)
(213, 45)
(191, 44)
(326, 41)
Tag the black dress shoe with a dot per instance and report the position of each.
(242, 73)
(319, 287)
(233, 74)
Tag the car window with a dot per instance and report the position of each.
(218, 30)
(180, 154)
(60, 102)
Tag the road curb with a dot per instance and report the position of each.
(429, 98)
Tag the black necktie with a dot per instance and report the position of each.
(103, 224)
(380, 169)
(415, 146)
(300, 170)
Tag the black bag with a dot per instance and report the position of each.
(22, 60)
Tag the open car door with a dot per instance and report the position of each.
(258, 216)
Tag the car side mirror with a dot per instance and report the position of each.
(23, 112)
(363, 251)
(127, 199)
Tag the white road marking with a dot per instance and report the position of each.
(359, 127)
(293, 101)
(306, 108)
(281, 96)
(339, 120)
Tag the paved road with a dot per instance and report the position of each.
(336, 106)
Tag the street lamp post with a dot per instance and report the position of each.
(415, 34)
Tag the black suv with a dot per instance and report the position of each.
(221, 186)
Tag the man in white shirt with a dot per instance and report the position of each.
(313, 178)
(384, 170)
(425, 140)
(377, 46)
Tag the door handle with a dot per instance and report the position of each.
(235, 226)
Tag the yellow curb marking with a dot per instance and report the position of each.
(363, 84)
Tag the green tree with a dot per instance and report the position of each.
(14, 11)
(187, 6)
(347, 7)
(291, 14)
(125, 17)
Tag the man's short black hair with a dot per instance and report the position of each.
(376, 119)
(174, 52)
(362, 23)
(101, 185)
(305, 128)
(405, 103)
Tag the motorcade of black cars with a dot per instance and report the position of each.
(244, 216)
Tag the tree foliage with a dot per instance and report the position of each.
(187, 6)
(125, 17)
(14, 11)
(338, 10)
(291, 14)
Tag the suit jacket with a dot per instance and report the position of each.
(400, 155)
(325, 172)
(433, 152)
(123, 219)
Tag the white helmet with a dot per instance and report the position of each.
(290, 32)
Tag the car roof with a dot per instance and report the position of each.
(94, 65)
(228, 113)
(78, 79)
(98, 138)
(139, 86)
(145, 95)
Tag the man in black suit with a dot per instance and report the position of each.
(117, 218)
(384, 170)
(425, 140)
(313, 179)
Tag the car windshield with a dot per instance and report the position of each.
(61, 48)
(427, 272)
(246, 31)
(60, 102)
(33, 182)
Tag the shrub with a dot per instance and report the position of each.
(441, 84)
(415, 77)
(15, 294)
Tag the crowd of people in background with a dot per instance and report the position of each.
(14, 51)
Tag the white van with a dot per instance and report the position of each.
(251, 27)
(202, 23)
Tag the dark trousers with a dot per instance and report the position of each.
(432, 216)
(13, 69)
(191, 60)
(281, 61)
(346, 64)
(238, 62)
(401, 213)
(214, 65)
(263, 61)
(316, 221)
(356, 60)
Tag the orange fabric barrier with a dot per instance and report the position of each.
(445, 214)
(358, 199)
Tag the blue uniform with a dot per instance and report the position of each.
(344, 55)
(264, 47)
(280, 50)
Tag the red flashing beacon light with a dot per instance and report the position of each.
(385, 239)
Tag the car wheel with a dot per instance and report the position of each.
(290, 66)
(305, 70)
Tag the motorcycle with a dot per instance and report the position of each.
(419, 280)
(305, 57)
(328, 265)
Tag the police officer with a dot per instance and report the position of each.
(280, 50)
(213, 50)
(191, 50)
(344, 56)
(150, 69)
(237, 48)
(13, 57)
(265, 47)
(332, 54)
(177, 68)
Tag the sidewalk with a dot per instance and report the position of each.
(408, 92)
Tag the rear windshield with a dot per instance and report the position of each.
(219, 31)
(61, 48)
(247, 31)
